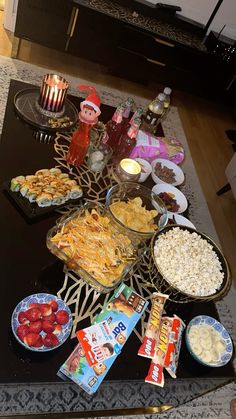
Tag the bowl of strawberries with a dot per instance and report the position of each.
(41, 322)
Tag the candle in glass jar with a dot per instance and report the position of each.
(53, 93)
(128, 170)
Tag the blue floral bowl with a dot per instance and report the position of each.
(225, 337)
(42, 299)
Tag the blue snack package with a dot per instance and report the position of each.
(121, 312)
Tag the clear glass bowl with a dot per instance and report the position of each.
(129, 190)
(73, 265)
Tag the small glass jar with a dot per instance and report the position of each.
(98, 157)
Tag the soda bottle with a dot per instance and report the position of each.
(167, 92)
(127, 141)
(154, 113)
(127, 109)
(114, 127)
(137, 114)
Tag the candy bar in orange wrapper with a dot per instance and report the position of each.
(147, 349)
(174, 358)
(155, 373)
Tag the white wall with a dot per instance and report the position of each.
(226, 16)
(10, 10)
(201, 10)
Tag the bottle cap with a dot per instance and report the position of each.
(161, 97)
(167, 90)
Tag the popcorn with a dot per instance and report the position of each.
(188, 262)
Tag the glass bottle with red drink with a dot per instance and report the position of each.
(113, 128)
(127, 141)
(79, 145)
(126, 114)
(137, 114)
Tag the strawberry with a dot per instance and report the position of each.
(22, 318)
(62, 317)
(31, 339)
(22, 331)
(45, 309)
(51, 317)
(34, 305)
(38, 343)
(35, 327)
(47, 326)
(50, 340)
(57, 330)
(53, 304)
(33, 314)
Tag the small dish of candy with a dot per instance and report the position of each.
(174, 200)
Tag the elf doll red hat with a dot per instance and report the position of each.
(90, 107)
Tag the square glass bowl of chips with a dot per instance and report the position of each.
(136, 210)
(90, 244)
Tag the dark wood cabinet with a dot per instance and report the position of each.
(44, 22)
(127, 50)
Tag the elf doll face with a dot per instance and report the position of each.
(88, 114)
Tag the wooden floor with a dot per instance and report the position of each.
(204, 123)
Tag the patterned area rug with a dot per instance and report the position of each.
(41, 398)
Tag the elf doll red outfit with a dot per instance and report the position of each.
(88, 116)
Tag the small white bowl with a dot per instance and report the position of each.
(146, 166)
(181, 220)
(178, 196)
(179, 174)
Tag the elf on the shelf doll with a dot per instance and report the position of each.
(88, 116)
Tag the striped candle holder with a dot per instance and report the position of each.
(52, 95)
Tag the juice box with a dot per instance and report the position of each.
(121, 313)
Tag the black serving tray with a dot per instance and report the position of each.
(31, 210)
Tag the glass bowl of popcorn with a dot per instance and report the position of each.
(188, 265)
(136, 210)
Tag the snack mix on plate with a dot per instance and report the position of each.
(47, 187)
(188, 262)
(165, 173)
(135, 216)
(91, 242)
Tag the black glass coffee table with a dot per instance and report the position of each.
(27, 267)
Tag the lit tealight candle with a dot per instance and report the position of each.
(53, 93)
(128, 170)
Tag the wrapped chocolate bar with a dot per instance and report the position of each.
(147, 349)
(155, 373)
(179, 327)
(149, 147)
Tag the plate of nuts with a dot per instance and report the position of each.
(165, 171)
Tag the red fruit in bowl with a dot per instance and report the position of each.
(22, 318)
(51, 317)
(53, 304)
(62, 317)
(47, 326)
(35, 327)
(57, 330)
(34, 305)
(38, 343)
(31, 339)
(50, 340)
(33, 314)
(22, 331)
(45, 309)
